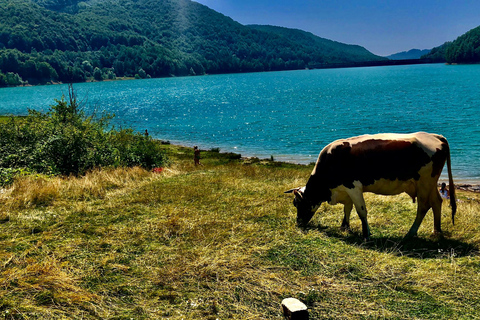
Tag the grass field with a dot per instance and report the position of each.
(220, 241)
(4, 119)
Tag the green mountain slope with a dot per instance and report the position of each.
(465, 49)
(72, 40)
(322, 49)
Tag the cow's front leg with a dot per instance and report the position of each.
(356, 195)
(347, 210)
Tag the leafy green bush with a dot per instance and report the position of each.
(8, 174)
(66, 141)
(134, 149)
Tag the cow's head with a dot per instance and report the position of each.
(305, 209)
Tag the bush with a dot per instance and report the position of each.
(66, 141)
(8, 174)
(134, 149)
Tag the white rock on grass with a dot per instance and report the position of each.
(294, 309)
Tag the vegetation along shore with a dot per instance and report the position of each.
(218, 241)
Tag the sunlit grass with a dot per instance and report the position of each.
(219, 241)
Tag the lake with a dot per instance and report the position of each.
(289, 115)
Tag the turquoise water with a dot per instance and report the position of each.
(288, 115)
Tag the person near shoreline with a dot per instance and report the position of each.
(444, 193)
(196, 155)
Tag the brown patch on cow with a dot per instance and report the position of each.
(439, 159)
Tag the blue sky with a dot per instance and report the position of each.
(382, 27)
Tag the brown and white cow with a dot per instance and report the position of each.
(385, 164)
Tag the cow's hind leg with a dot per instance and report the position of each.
(423, 207)
(436, 201)
(347, 210)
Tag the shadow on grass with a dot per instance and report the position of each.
(433, 247)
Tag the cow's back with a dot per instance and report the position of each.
(388, 157)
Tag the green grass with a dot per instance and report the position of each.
(4, 119)
(219, 241)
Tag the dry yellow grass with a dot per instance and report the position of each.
(220, 242)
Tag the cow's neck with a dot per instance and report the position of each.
(316, 190)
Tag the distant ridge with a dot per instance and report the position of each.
(411, 54)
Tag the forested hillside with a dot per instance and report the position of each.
(72, 41)
(465, 49)
(320, 49)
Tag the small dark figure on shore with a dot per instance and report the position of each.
(146, 133)
(444, 193)
(196, 155)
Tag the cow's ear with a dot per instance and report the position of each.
(294, 190)
(298, 193)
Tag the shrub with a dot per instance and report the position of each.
(134, 149)
(66, 141)
(7, 176)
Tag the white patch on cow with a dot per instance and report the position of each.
(388, 187)
(339, 195)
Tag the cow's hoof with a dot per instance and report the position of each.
(366, 237)
(409, 236)
(437, 235)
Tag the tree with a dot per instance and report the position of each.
(141, 73)
(45, 71)
(87, 66)
(97, 74)
(13, 79)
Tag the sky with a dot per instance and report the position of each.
(382, 27)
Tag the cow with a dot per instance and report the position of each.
(385, 164)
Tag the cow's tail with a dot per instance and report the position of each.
(451, 187)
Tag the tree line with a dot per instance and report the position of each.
(146, 38)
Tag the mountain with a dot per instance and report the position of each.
(73, 40)
(437, 54)
(465, 49)
(332, 51)
(411, 54)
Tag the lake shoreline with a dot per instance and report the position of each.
(459, 184)
(465, 185)
(288, 115)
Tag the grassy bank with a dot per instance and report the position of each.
(219, 241)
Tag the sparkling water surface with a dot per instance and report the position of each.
(289, 115)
